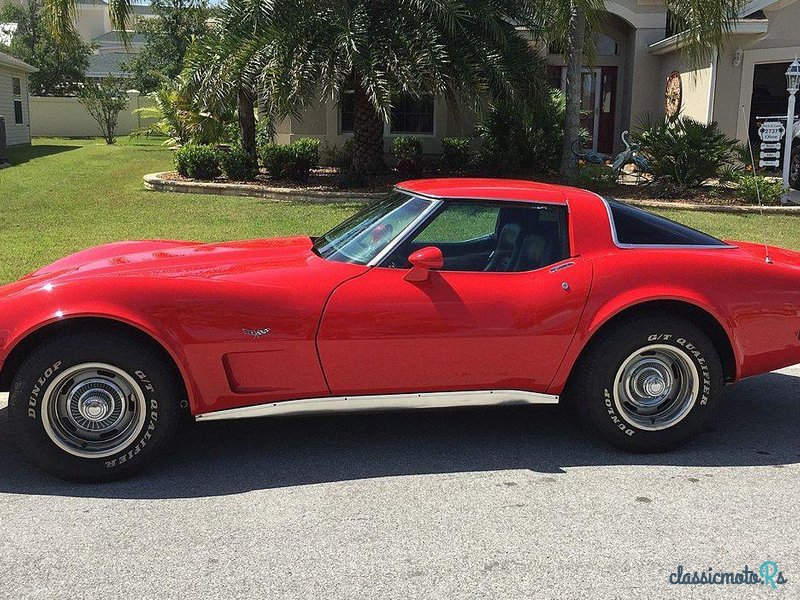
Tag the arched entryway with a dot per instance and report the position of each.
(603, 83)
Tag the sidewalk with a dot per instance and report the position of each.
(794, 196)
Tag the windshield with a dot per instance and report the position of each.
(362, 237)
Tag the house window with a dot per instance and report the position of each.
(346, 112)
(412, 115)
(606, 46)
(409, 115)
(16, 92)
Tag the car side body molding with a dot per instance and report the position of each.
(383, 402)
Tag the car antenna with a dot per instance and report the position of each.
(767, 258)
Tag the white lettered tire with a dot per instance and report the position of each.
(94, 407)
(649, 384)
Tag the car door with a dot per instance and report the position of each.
(487, 320)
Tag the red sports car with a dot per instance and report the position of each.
(447, 292)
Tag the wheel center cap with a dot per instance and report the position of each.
(94, 408)
(654, 386)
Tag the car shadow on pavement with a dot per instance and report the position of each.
(757, 426)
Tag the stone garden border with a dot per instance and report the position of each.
(155, 181)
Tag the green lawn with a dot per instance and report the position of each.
(63, 195)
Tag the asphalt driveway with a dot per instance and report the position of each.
(504, 503)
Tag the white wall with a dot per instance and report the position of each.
(15, 134)
(66, 117)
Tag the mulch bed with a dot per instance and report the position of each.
(321, 179)
(326, 179)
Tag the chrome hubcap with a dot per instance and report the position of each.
(656, 387)
(93, 410)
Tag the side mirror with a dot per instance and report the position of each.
(424, 260)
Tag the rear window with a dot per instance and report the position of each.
(634, 226)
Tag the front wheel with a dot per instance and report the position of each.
(649, 384)
(90, 407)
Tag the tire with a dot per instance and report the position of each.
(794, 168)
(649, 384)
(94, 407)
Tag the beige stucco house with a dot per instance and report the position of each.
(14, 101)
(636, 56)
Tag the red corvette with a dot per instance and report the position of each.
(446, 293)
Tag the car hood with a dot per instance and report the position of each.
(171, 258)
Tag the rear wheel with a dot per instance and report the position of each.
(91, 407)
(649, 384)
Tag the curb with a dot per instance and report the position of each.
(153, 181)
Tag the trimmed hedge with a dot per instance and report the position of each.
(291, 161)
(408, 152)
(198, 161)
(456, 153)
(238, 165)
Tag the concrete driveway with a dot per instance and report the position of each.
(505, 503)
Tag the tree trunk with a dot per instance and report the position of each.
(247, 121)
(572, 117)
(367, 134)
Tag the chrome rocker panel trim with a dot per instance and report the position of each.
(381, 403)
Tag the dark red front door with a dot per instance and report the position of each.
(608, 100)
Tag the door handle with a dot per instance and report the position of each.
(562, 266)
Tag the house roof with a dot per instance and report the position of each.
(108, 63)
(9, 61)
(739, 27)
(751, 21)
(115, 37)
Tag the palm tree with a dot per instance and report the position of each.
(470, 50)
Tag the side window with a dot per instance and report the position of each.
(634, 226)
(492, 237)
(460, 222)
(16, 92)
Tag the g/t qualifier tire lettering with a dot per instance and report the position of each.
(135, 367)
(664, 417)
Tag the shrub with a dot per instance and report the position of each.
(684, 153)
(339, 156)
(305, 156)
(597, 178)
(238, 165)
(407, 150)
(350, 177)
(197, 161)
(750, 186)
(456, 153)
(275, 157)
(293, 161)
(513, 138)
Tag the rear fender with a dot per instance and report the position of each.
(594, 320)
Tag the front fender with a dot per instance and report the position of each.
(43, 305)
